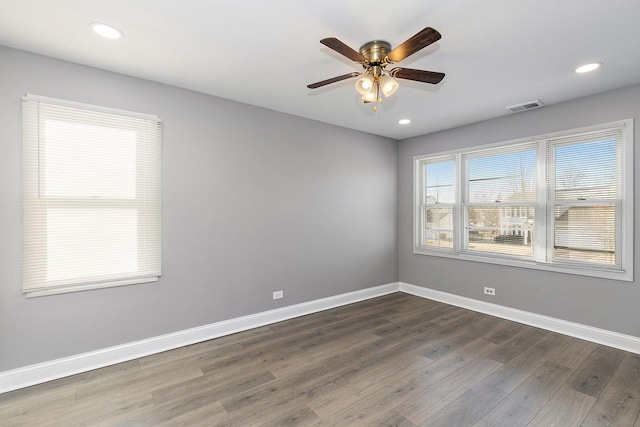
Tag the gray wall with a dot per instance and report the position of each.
(608, 304)
(254, 201)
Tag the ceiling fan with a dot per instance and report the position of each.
(375, 56)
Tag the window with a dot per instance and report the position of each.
(439, 199)
(500, 200)
(91, 197)
(562, 202)
(585, 204)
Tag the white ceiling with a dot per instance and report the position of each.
(495, 53)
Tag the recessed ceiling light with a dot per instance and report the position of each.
(404, 121)
(106, 30)
(588, 67)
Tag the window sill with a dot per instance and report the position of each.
(626, 276)
(40, 292)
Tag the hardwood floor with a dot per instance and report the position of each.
(397, 360)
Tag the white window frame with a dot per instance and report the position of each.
(465, 203)
(423, 202)
(146, 203)
(543, 226)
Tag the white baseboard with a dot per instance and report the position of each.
(588, 333)
(47, 371)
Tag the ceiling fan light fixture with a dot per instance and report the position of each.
(365, 84)
(374, 94)
(371, 96)
(388, 85)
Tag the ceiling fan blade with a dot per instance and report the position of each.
(417, 75)
(421, 40)
(332, 80)
(343, 49)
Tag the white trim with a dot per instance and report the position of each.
(622, 275)
(588, 333)
(40, 292)
(47, 371)
(529, 139)
(98, 108)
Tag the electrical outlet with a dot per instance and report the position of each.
(490, 291)
(278, 294)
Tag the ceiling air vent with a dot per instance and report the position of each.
(530, 105)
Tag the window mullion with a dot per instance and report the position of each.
(541, 222)
(460, 212)
(550, 203)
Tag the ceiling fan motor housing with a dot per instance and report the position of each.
(376, 52)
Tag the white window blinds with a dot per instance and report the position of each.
(586, 198)
(500, 200)
(91, 197)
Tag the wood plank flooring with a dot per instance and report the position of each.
(397, 360)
